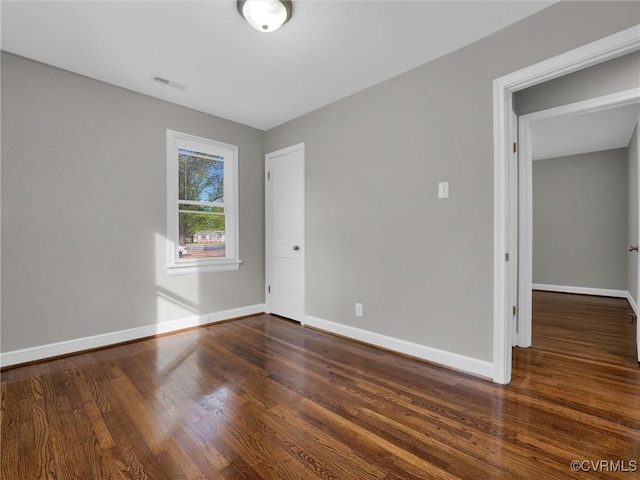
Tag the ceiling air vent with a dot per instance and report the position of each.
(167, 82)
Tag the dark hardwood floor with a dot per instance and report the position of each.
(264, 398)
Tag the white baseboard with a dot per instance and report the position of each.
(633, 303)
(434, 355)
(634, 306)
(602, 292)
(16, 357)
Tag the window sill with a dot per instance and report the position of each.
(198, 268)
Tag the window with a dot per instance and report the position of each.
(202, 205)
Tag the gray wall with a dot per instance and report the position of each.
(83, 209)
(632, 175)
(617, 75)
(376, 232)
(580, 220)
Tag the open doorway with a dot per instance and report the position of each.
(579, 213)
(600, 124)
(608, 48)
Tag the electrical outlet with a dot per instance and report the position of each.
(358, 310)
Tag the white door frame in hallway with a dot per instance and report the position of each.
(610, 47)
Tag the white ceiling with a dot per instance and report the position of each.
(588, 132)
(328, 50)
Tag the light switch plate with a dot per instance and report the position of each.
(443, 190)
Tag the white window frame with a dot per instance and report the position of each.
(231, 261)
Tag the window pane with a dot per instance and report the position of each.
(201, 235)
(200, 176)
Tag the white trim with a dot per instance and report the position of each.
(513, 246)
(595, 104)
(202, 267)
(524, 223)
(16, 357)
(634, 307)
(501, 317)
(593, 53)
(525, 234)
(434, 355)
(607, 48)
(601, 292)
(632, 302)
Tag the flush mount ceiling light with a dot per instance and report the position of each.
(265, 15)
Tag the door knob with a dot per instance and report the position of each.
(297, 247)
(633, 248)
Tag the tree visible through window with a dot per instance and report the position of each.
(202, 204)
(201, 218)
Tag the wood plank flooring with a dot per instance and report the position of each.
(264, 398)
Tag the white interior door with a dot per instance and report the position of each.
(284, 235)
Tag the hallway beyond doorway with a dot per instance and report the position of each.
(597, 329)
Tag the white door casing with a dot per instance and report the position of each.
(512, 213)
(525, 235)
(637, 239)
(599, 51)
(285, 247)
